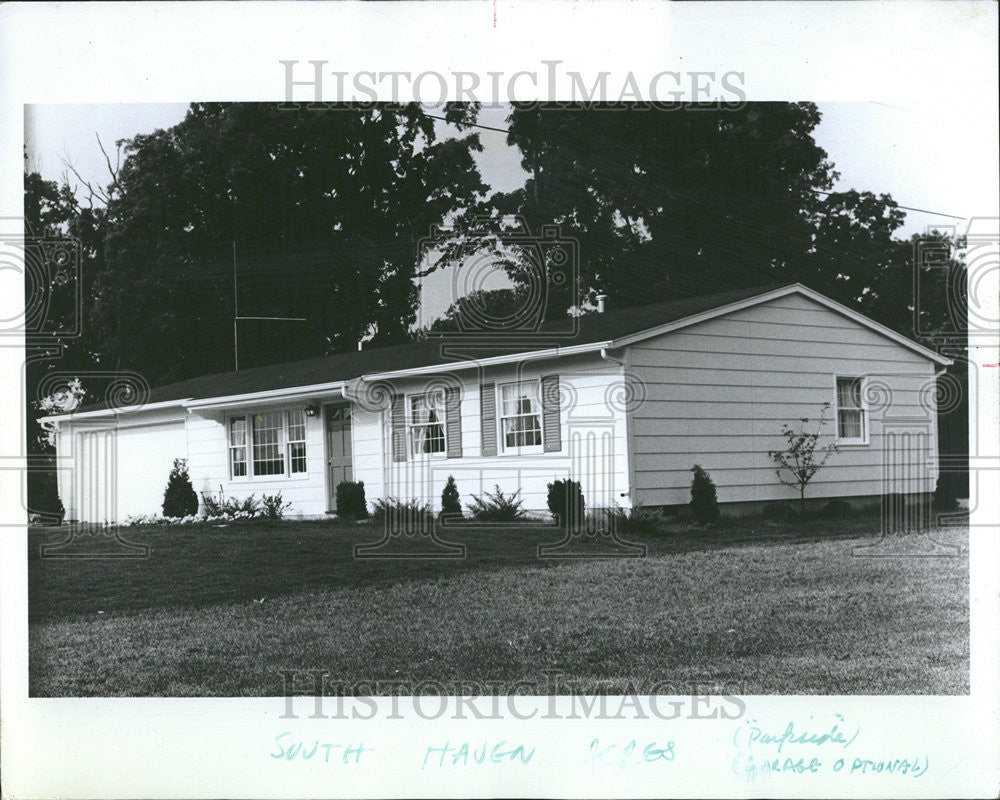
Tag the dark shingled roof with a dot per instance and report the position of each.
(587, 329)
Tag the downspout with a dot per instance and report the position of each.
(621, 363)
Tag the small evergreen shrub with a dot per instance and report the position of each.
(179, 498)
(451, 503)
(565, 501)
(945, 493)
(704, 502)
(837, 509)
(497, 507)
(351, 503)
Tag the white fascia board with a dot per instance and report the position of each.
(112, 412)
(474, 363)
(252, 398)
(795, 288)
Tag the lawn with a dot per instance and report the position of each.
(759, 608)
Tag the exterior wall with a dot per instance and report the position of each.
(592, 432)
(113, 469)
(717, 394)
(208, 460)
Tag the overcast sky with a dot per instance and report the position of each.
(924, 158)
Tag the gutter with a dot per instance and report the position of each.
(510, 358)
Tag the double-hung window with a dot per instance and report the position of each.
(520, 415)
(267, 444)
(852, 416)
(426, 421)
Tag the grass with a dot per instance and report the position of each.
(759, 608)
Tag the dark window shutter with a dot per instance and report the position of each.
(398, 428)
(488, 418)
(551, 432)
(453, 421)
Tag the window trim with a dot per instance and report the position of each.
(285, 446)
(409, 425)
(526, 449)
(865, 438)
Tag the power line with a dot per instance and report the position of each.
(817, 191)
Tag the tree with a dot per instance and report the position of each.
(483, 309)
(179, 498)
(704, 503)
(326, 209)
(675, 202)
(451, 504)
(801, 459)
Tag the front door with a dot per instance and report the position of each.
(338, 450)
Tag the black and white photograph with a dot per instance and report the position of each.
(655, 398)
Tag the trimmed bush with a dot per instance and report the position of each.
(704, 502)
(351, 503)
(497, 507)
(451, 502)
(565, 501)
(837, 509)
(403, 516)
(179, 498)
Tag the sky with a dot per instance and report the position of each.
(926, 159)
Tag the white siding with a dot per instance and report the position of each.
(109, 471)
(592, 432)
(717, 394)
(208, 462)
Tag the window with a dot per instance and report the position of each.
(268, 458)
(297, 441)
(520, 415)
(238, 447)
(426, 423)
(852, 416)
(268, 443)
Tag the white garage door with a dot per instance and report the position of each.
(122, 472)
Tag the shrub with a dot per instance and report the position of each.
(179, 498)
(351, 503)
(945, 493)
(635, 520)
(223, 507)
(273, 507)
(704, 503)
(565, 501)
(402, 515)
(837, 509)
(451, 503)
(497, 507)
(802, 458)
(777, 512)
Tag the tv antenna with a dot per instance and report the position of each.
(237, 317)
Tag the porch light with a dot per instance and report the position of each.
(312, 410)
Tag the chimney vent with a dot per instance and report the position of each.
(602, 299)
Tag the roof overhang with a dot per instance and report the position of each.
(110, 413)
(774, 294)
(262, 398)
(475, 363)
